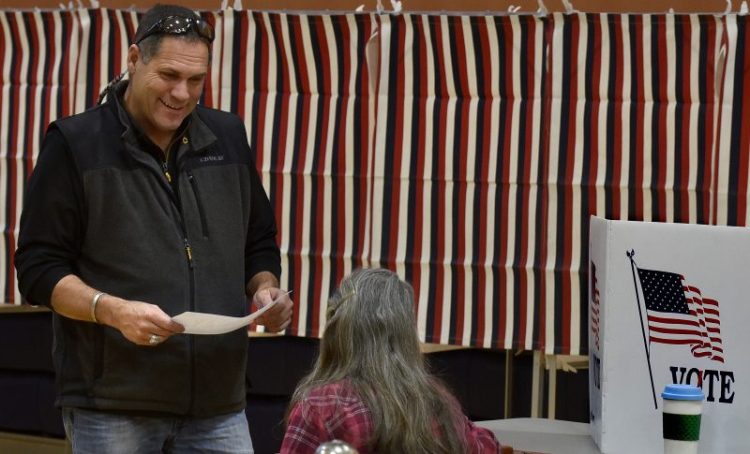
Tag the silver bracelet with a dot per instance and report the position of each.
(94, 302)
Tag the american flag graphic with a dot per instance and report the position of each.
(678, 314)
(594, 306)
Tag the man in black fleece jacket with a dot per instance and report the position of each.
(139, 209)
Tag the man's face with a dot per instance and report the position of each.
(165, 90)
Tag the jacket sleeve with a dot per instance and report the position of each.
(51, 229)
(261, 249)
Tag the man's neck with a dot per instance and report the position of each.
(162, 141)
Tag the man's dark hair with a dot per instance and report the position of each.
(150, 45)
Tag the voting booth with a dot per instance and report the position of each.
(669, 303)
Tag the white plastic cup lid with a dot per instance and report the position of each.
(682, 392)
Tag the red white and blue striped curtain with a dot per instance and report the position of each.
(631, 125)
(464, 152)
(731, 164)
(456, 172)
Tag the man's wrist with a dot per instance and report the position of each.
(260, 281)
(105, 309)
(95, 302)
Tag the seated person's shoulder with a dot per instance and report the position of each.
(338, 394)
(332, 402)
(324, 413)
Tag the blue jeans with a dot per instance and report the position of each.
(95, 432)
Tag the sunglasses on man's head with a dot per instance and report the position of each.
(179, 25)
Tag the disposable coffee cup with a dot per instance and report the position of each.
(682, 418)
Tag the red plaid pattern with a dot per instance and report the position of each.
(335, 412)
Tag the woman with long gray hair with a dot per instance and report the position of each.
(370, 386)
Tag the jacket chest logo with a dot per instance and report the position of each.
(211, 158)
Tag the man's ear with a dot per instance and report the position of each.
(134, 53)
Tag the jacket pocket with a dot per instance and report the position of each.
(199, 202)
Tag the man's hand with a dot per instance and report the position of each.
(279, 316)
(141, 323)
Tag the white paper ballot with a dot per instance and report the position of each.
(202, 323)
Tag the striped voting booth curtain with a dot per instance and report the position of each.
(731, 166)
(464, 152)
(631, 124)
(456, 164)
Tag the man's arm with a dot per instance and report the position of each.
(51, 233)
(262, 254)
(261, 281)
(52, 222)
(262, 263)
(136, 320)
(263, 288)
(262, 257)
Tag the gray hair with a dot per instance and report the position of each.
(371, 340)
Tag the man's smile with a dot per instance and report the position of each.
(169, 105)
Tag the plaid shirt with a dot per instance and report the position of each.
(335, 411)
